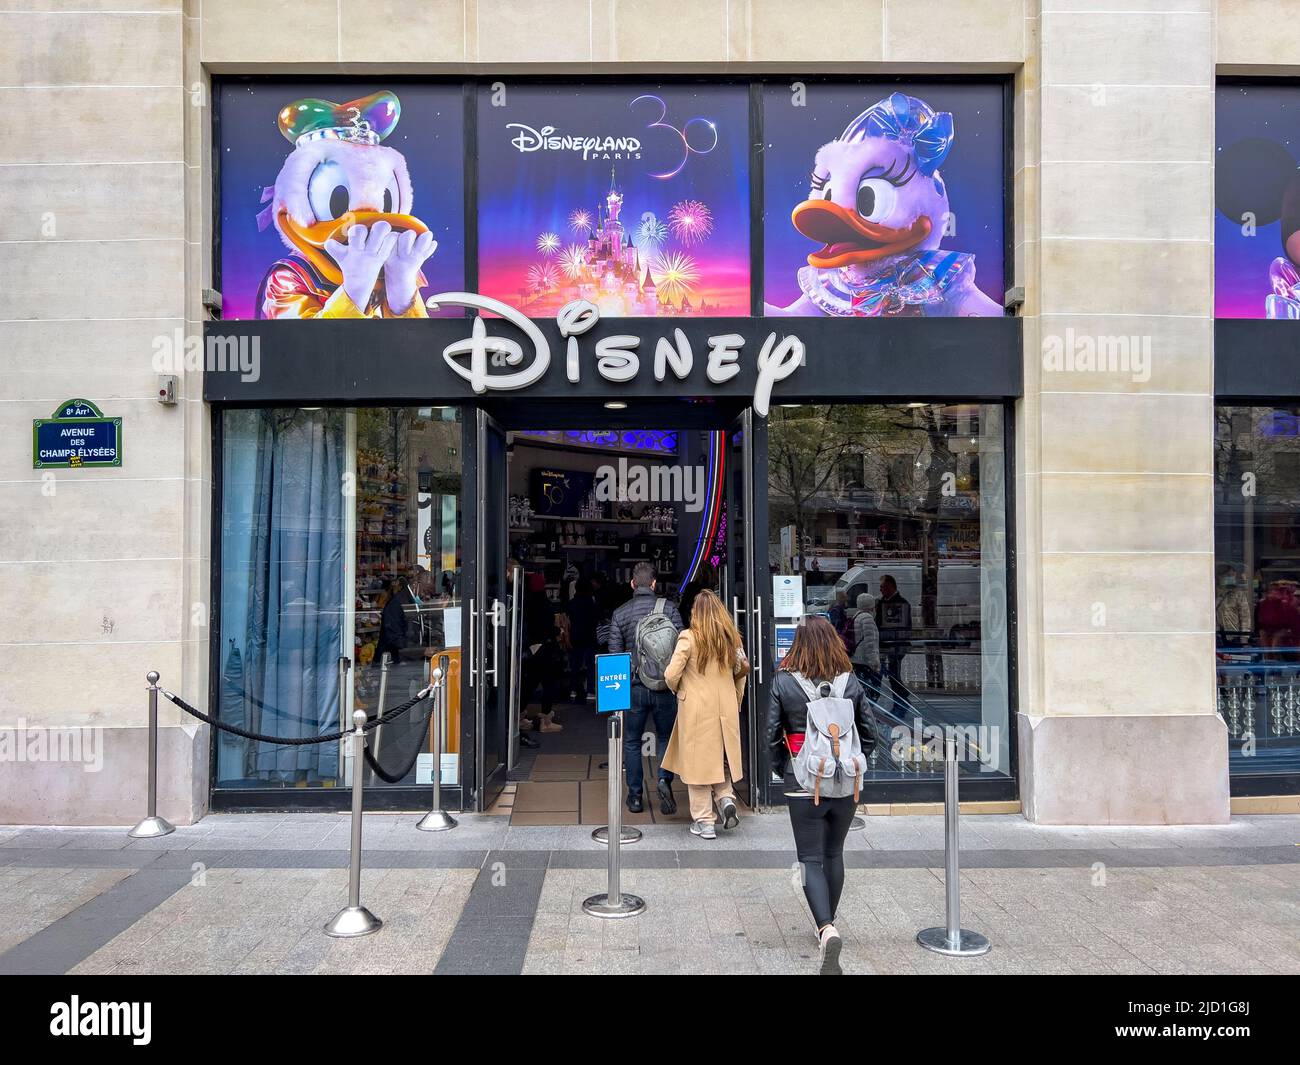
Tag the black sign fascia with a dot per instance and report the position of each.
(1256, 358)
(400, 362)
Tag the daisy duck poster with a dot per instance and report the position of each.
(880, 201)
(633, 197)
(1257, 201)
(339, 200)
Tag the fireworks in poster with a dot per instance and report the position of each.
(633, 197)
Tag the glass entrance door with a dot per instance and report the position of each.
(492, 661)
(743, 580)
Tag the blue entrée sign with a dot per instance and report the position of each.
(75, 436)
(613, 683)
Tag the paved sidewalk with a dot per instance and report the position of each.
(249, 893)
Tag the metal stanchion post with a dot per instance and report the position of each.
(345, 664)
(152, 826)
(437, 819)
(614, 768)
(354, 919)
(952, 940)
(614, 903)
(379, 708)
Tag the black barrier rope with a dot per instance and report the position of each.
(244, 693)
(274, 710)
(301, 741)
(378, 770)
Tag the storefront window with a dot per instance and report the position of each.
(894, 516)
(283, 552)
(408, 566)
(307, 497)
(1257, 577)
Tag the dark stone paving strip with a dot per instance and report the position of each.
(491, 936)
(1134, 858)
(630, 858)
(639, 857)
(74, 937)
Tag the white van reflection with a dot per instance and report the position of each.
(957, 610)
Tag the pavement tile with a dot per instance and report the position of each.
(249, 894)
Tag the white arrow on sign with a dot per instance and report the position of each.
(617, 685)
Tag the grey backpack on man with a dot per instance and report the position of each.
(653, 644)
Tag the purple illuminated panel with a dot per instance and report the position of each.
(653, 441)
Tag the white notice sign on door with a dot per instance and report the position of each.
(787, 596)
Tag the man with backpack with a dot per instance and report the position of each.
(646, 626)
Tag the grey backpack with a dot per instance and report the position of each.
(654, 642)
(831, 761)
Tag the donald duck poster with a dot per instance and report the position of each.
(339, 200)
(882, 201)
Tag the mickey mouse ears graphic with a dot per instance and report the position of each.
(1257, 180)
(1251, 177)
(367, 120)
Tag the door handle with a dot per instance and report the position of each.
(473, 660)
(735, 611)
(758, 638)
(498, 611)
(513, 679)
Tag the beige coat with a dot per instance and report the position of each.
(708, 717)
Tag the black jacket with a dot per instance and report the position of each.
(582, 621)
(392, 623)
(787, 712)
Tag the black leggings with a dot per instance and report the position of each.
(819, 833)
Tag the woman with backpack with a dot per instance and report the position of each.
(836, 735)
(708, 671)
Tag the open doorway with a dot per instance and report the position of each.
(586, 511)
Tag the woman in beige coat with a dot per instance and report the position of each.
(708, 671)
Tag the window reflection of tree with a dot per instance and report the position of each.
(908, 468)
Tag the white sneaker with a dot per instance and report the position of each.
(703, 829)
(831, 944)
(730, 818)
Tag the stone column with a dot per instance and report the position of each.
(1116, 517)
(93, 278)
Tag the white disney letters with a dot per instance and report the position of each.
(775, 364)
(678, 357)
(479, 345)
(724, 352)
(617, 357)
(575, 319)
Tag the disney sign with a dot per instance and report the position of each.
(618, 357)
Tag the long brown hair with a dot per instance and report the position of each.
(817, 652)
(715, 634)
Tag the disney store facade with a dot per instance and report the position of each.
(996, 299)
(450, 307)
